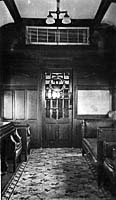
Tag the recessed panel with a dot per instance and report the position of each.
(19, 104)
(32, 104)
(8, 105)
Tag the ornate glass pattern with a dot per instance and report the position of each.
(57, 95)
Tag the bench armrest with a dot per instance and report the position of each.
(17, 134)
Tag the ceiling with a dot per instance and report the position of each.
(77, 9)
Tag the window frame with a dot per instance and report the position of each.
(57, 35)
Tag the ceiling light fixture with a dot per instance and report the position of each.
(50, 19)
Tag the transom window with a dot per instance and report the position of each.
(57, 36)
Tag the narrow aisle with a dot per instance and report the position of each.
(57, 174)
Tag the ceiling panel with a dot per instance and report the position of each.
(35, 8)
(81, 9)
(110, 16)
(76, 8)
(5, 16)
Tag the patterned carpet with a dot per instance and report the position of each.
(55, 174)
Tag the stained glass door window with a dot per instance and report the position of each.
(58, 96)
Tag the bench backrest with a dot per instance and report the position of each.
(91, 126)
(107, 134)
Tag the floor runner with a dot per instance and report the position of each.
(56, 174)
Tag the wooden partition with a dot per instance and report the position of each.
(21, 102)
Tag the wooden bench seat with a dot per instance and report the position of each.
(108, 136)
(11, 146)
(92, 144)
(25, 134)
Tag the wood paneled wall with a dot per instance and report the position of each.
(20, 102)
(92, 66)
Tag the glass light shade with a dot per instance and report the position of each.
(50, 19)
(66, 19)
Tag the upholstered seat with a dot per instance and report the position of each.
(109, 152)
(110, 170)
(92, 142)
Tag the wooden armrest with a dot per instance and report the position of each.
(13, 140)
(18, 135)
(28, 131)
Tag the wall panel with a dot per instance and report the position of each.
(19, 104)
(8, 104)
(31, 104)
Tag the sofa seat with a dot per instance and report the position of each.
(90, 145)
(109, 161)
(110, 171)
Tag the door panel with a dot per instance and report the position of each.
(57, 112)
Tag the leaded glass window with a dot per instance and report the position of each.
(57, 95)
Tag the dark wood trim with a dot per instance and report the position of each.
(101, 11)
(94, 87)
(93, 117)
(42, 22)
(13, 10)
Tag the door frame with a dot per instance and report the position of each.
(55, 70)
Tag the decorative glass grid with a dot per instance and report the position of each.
(59, 36)
(57, 106)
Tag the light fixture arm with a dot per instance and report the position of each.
(58, 9)
(58, 12)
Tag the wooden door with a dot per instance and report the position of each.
(57, 109)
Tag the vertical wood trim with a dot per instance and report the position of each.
(114, 99)
(25, 104)
(13, 104)
(75, 94)
(2, 104)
